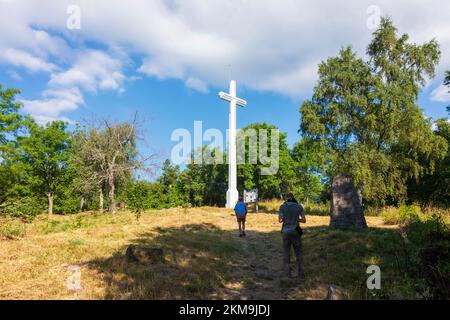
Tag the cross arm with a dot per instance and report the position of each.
(229, 98)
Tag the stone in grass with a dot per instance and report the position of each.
(144, 255)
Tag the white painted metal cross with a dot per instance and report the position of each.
(232, 193)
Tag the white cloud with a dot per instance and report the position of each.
(13, 74)
(42, 119)
(92, 71)
(196, 84)
(53, 103)
(19, 58)
(263, 44)
(441, 94)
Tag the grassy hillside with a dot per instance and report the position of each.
(204, 257)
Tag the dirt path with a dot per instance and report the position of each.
(258, 275)
(264, 267)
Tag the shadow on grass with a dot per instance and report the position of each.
(205, 262)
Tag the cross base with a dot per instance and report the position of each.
(232, 198)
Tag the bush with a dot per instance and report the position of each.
(427, 257)
(403, 214)
(26, 208)
(12, 231)
(137, 197)
(318, 209)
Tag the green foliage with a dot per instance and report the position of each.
(447, 83)
(317, 209)
(9, 116)
(25, 208)
(297, 171)
(308, 159)
(46, 152)
(366, 116)
(403, 214)
(11, 230)
(55, 226)
(137, 197)
(201, 184)
(434, 187)
(425, 257)
(169, 174)
(447, 79)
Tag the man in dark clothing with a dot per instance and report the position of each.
(291, 215)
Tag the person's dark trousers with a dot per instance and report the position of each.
(292, 239)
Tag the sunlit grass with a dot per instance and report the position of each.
(204, 257)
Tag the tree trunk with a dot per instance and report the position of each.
(346, 211)
(100, 200)
(50, 202)
(82, 203)
(112, 200)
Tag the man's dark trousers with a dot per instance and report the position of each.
(292, 239)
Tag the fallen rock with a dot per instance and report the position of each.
(144, 255)
(336, 293)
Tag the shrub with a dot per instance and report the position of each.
(427, 256)
(318, 209)
(67, 205)
(409, 213)
(137, 197)
(403, 214)
(26, 208)
(54, 226)
(12, 231)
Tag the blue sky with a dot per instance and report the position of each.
(169, 59)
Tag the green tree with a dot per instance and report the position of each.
(88, 179)
(447, 83)
(171, 185)
(203, 182)
(169, 175)
(9, 115)
(308, 159)
(46, 152)
(138, 194)
(434, 187)
(447, 78)
(11, 172)
(250, 171)
(366, 114)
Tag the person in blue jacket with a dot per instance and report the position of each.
(240, 209)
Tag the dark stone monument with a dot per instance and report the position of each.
(346, 211)
(144, 255)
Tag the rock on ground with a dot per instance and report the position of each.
(144, 255)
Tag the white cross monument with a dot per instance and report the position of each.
(232, 193)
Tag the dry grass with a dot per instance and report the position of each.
(272, 206)
(204, 258)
